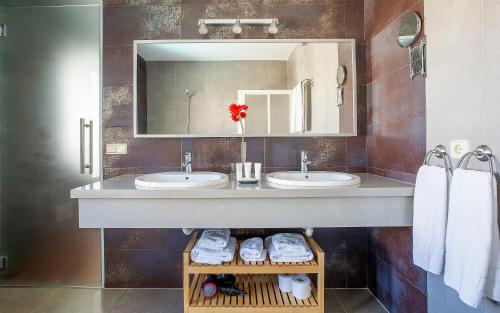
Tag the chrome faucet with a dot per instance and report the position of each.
(304, 162)
(187, 163)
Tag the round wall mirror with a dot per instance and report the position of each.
(341, 73)
(409, 29)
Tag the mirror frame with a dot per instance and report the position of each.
(354, 83)
(418, 19)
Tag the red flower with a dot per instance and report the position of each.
(238, 111)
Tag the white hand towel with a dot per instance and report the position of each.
(493, 279)
(289, 242)
(430, 209)
(293, 257)
(297, 110)
(215, 239)
(287, 256)
(252, 248)
(251, 258)
(215, 257)
(469, 236)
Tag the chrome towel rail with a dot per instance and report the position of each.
(482, 153)
(439, 152)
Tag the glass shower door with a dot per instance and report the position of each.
(49, 81)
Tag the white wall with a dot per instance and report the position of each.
(463, 96)
(319, 62)
(463, 84)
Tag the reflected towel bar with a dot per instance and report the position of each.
(306, 86)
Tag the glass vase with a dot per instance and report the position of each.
(243, 151)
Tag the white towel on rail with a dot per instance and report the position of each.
(297, 110)
(493, 279)
(215, 239)
(430, 210)
(208, 256)
(470, 234)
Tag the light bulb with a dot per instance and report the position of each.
(273, 28)
(237, 27)
(202, 29)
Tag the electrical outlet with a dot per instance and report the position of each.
(116, 148)
(458, 148)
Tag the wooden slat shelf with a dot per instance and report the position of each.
(258, 279)
(263, 295)
(242, 267)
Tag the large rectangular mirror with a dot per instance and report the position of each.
(292, 87)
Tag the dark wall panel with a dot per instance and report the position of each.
(152, 258)
(395, 148)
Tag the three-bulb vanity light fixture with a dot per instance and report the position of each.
(272, 23)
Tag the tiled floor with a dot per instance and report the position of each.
(84, 300)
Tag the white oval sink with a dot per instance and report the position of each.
(180, 180)
(313, 179)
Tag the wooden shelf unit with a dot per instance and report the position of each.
(259, 279)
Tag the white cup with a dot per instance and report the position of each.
(257, 170)
(239, 171)
(248, 169)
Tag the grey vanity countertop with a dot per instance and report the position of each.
(124, 187)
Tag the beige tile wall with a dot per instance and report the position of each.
(318, 61)
(215, 85)
(463, 96)
(463, 84)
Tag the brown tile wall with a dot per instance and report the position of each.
(395, 103)
(395, 148)
(398, 284)
(152, 258)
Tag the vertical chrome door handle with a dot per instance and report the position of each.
(83, 164)
(90, 165)
(82, 146)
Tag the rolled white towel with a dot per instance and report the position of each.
(252, 247)
(215, 257)
(249, 258)
(289, 242)
(290, 256)
(215, 239)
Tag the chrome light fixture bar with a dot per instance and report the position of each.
(237, 24)
(237, 27)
